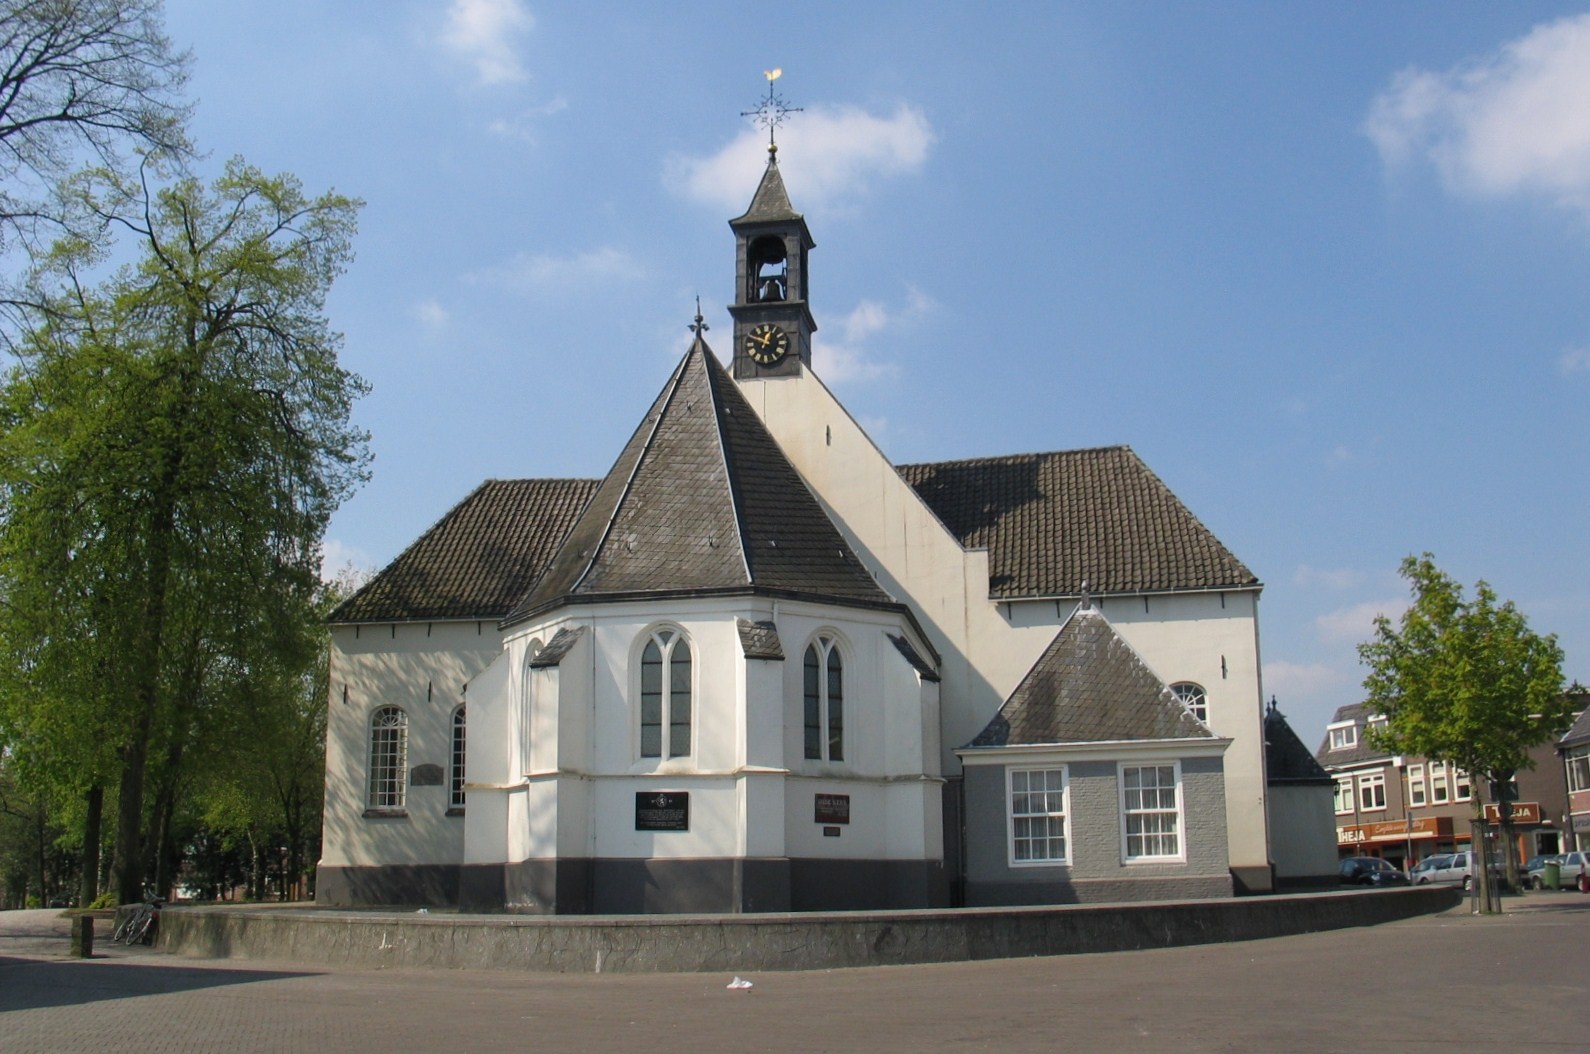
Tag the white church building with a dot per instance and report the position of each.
(759, 667)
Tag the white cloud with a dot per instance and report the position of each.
(1575, 361)
(483, 32)
(1357, 623)
(1341, 578)
(540, 273)
(841, 149)
(523, 125)
(1514, 121)
(338, 560)
(430, 313)
(847, 358)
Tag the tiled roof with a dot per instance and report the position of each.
(1358, 754)
(478, 559)
(1054, 521)
(701, 500)
(1286, 759)
(1089, 686)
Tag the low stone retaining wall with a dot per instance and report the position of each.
(745, 943)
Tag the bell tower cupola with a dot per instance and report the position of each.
(773, 323)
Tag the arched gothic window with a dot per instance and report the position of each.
(456, 782)
(389, 757)
(824, 675)
(1193, 697)
(665, 695)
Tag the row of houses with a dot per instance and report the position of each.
(1404, 808)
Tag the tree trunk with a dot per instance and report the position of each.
(40, 829)
(93, 811)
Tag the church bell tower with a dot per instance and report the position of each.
(773, 325)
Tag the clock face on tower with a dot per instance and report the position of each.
(766, 344)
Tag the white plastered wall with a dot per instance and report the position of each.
(986, 648)
(421, 667)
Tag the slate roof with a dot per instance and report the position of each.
(1579, 732)
(1358, 754)
(701, 500)
(1286, 759)
(770, 203)
(759, 640)
(561, 644)
(1089, 686)
(1054, 521)
(478, 559)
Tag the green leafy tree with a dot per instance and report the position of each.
(174, 442)
(1464, 681)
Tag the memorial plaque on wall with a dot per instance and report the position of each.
(832, 808)
(662, 811)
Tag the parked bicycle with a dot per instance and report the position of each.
(140, 925)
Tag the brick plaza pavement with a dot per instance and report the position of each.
(1514, 982)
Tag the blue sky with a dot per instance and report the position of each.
(1323, 266)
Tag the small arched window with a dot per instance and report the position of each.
(824, 691)
(665, 710)
(456, 782)
(1193, 697)
(389, 757)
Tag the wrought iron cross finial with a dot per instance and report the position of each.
(770, 112)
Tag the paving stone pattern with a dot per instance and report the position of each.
(1305, 993)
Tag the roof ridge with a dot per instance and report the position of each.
(1015, 456)
(736, 499)
(670, 390)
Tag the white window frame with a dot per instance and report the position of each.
(1577, 763)
(1372, 786)
(1193, 696)
(1128, 811)
(455, 777)
(388, 757)
(1417, 796)
(823, 705)
(1344, 736)
(1046, 812)
(1440, 787)
(668, 640)
(1344, 795)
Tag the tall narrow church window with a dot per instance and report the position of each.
(825, 701)
(389, 757)
(456, 782)
(527, 707)
(1193, 697)
(665, 696)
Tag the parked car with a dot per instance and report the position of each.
(1424, 871)
(1459, 868)
(1370, 871)
(1568, 867)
